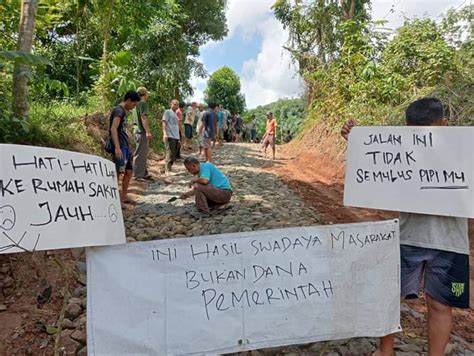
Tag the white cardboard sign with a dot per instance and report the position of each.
(51, 199)
(427, 170)
(243, 291)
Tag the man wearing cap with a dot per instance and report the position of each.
(142, 136)
(270, 134)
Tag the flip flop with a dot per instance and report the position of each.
(172, 199)
(144, 179)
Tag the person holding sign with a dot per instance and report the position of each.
(123, 157)
(433, 247)
(211, 188)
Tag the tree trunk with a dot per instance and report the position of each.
(21, 72)
(348, 8)
(104, 65)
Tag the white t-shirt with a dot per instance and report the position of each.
(190, 113)
(200, 123)
(172, 124)
(444, 233)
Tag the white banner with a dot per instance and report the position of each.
(52, 199)
(427, 170)
(243, 291)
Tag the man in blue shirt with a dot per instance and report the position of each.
(211, 187)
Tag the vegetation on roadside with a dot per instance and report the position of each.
(85, 55)
(355, 68)
(290, 114)
(223, 87)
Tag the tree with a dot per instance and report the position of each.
(313, 27)
(22, 71)
(106, 12)
(223, 87)
(288, 112)
(419, 54)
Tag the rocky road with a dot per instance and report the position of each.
(260, 201)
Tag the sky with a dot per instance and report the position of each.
(253, 46)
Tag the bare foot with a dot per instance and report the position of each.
(126, 200)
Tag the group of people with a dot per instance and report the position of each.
(211, 188)
(211, 126)
(434, 249)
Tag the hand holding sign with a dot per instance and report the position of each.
(411, 169)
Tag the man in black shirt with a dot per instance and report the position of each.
(123, 157)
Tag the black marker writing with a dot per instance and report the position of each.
(11, 187)
(61, 213)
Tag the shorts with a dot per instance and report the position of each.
(446, 275)
(206, 142)
(237, 131)
(269, 140)
(220, 134)
(119, 163)
(188, 131)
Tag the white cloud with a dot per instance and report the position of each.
(244, 16)
(271, 75)
(394, 11)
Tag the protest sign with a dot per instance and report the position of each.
(243, 291)
(52, 199)
(427, 170)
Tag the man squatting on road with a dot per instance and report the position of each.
(211, 187)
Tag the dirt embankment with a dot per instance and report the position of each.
(314, 167)
(33, 285)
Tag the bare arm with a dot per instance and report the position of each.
(190, 193)
(115, 139)
(146, 127)
(163, 126)
(200, 180)
(346, 128)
